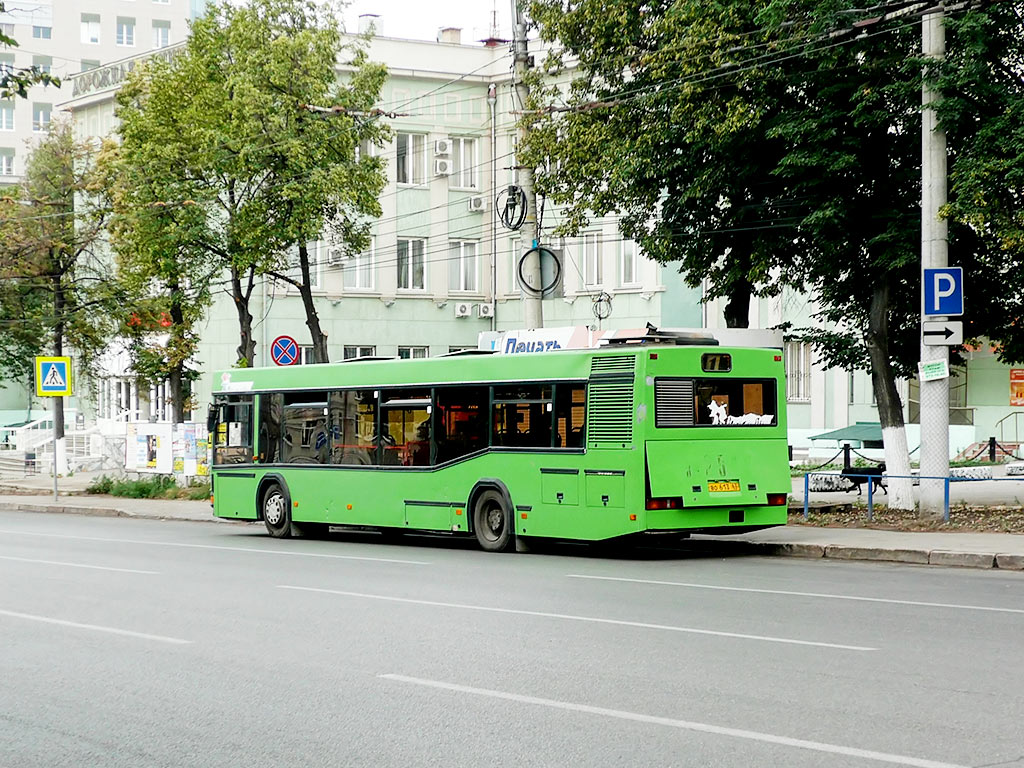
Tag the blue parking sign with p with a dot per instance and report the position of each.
(944, 291)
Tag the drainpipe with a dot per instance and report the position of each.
(492, 99)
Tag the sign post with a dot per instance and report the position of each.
(53, 379)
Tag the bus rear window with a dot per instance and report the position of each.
(714, 402)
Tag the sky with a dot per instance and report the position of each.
(420, 19)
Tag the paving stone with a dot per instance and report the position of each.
(961, 559)
(918, 556)
(1010, 562)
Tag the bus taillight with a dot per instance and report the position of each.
(667, 503)
(776, 499)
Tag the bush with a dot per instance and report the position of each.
(156, 487)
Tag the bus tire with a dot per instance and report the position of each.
(276, 514)
(492, 522)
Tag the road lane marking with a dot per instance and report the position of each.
(94, 627)
(217, 546)
(798, 594)
(76, 565)
(571, 617)
(686, 725)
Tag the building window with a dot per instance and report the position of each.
(161, 34)
(627, 273)
(6, 162)
(90, 28)
(412, 158)
(412, 353)
(464, 163)
(306, 355)
(410, 264)
(592, 274)
(43, 63)
(42, 33)
(355, 351)
(515, 254)
(6, 115)
(459, 348)
(7, 29)
(41, 117)
(851, 398)
(162, 2)
(462, 266)
(357, 273)
(798, 371)
(7, 63)
(125, 31)
(88, 64)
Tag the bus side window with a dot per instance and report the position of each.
(304, 428)
(268, 446)
(570, 415)
(522, 416)
(353, 423)
(461, 421)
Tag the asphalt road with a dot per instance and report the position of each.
(145, 643)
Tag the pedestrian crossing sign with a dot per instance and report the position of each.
(53, 376)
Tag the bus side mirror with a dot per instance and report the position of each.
(211, 418)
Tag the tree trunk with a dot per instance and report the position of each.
(176, 376)
(318, 337)
(890, 409)
(247, 344)
(737, 310)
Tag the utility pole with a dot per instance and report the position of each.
(934, 254)
(533, 308)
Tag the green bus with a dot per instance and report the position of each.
(571, 444)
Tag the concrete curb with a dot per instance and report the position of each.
(69, 509)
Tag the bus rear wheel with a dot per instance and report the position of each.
(492, 522)
(276, 515)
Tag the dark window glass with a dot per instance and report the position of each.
(570, 415)
(462, 421)
(735, 402)
(522, 416)
(405, 427)
(716, 361)
(305, 438)
(232, 443)
(270, 427)
(353, 419)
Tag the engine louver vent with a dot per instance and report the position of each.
(673, 403)
(610, 401)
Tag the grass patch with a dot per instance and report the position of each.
(156, 487)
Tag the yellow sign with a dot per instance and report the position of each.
(723, 486)
(53, 376)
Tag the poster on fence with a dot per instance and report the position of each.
(148, 448)
(1017, 386)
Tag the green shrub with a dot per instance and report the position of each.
(156, 487)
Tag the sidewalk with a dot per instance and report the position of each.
(971, 550)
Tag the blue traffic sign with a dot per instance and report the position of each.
(944, 291)
(284, 351)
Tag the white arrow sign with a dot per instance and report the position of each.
(943, 334)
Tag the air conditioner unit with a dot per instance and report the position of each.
(443, 147)
(442, 167)
(485, 310)
(477, 203)
(463, 309)
(335, 257)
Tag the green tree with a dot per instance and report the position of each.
(241, 170)
(759, 146)
(16, 82)
(50, 229)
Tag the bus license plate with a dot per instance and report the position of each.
(723, 486)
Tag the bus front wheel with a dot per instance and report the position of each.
(492, 522)
(276, 515)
